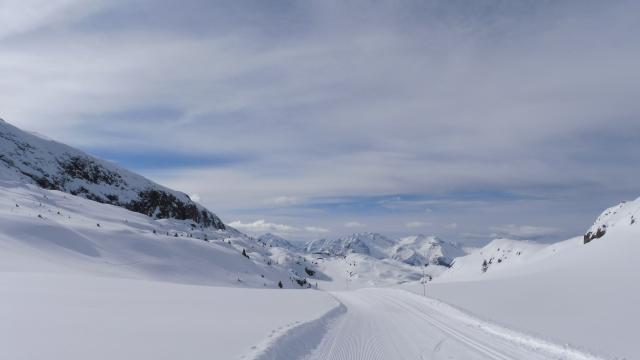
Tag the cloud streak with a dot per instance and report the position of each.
(262, 226)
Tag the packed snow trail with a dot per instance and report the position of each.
(382, 324)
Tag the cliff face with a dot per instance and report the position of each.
(28, 158)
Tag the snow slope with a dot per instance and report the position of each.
(53, 231)
(46, 316)
(413, 250)
(272, 240)
(134, 287)
(419, 249)
(355, 271)
(372, 244)
(29, 158)
(585, 295)
(623, 214)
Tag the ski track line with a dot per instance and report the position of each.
(296, 340)
(345, 344)
(354, 331)
(517, 339)
(455, 334)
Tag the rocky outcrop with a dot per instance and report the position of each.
(591, 235)
(614, 218)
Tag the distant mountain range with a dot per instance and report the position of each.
(414, 250)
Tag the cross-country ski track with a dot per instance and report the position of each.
(390, 324)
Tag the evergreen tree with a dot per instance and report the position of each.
(280, 284)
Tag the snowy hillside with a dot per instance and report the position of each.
(572, 292)
(355, 271)
(84, 280)
(272, 240)
(372, 244)
(28, 158)
(414, 250)
(496, 258)
(419, 249)
(54, 231)
(624, 214)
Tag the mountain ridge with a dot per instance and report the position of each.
(35, 159)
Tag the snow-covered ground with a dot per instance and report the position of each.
(395, 324)
(586, 295)
(70, 289)
(56, 316)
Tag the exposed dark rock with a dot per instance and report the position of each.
(163, 205)
(588, 237)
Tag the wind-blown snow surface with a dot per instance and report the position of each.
(83, 280)
(586, 295)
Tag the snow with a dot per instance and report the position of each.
(626, 213)
(356, 271)
(48, 316)
(413, 250)
(72, 290)
(394, 324)
(419, 249)
(585, 295)
(272, 240)
(372, 244)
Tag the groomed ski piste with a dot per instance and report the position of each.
(381, 324)
(80, 279)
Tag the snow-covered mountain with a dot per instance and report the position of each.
(571, 291)
(272, 240)
(428, 250)
(28, 158)
(499, 256)
(624, 214)
(371, 244)
(413, 250)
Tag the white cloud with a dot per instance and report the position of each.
(262, 226)
(315, 229)
(354, 224)
(195, 197)
(416, 224)
(283, 201)
(451, 226)
(523, 231)
(19, 16)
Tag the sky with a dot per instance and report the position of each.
(466, 119)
